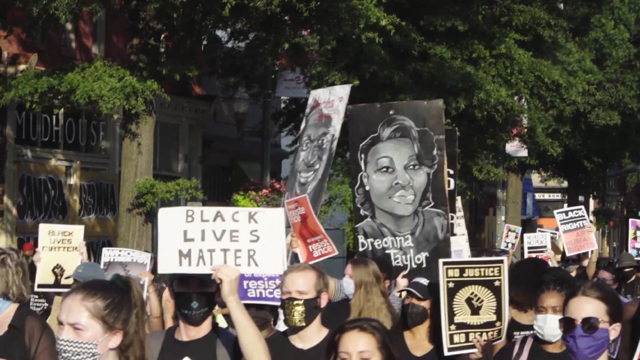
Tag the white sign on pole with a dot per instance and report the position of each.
(193, 239)
(291, 84)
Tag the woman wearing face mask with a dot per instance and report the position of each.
(546, 343)
(592, 321)
(103, 320)
(23, 334)
(361, 339)
(418, 336)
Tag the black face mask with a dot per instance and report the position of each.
(627, 275)
(195, 308)
(260, 317)
(298, 313)
(414, 315)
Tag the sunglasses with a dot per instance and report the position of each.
(589, 324)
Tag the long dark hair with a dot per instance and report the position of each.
(372, 327)
(397, 127)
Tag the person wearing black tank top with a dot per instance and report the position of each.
(526, 277)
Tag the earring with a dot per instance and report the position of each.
(366, 187)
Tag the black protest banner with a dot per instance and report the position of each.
(399, 167)
(474, 294)
(451, 140)
(317, 145)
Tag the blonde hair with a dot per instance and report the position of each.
(117, 304)
(15, 285)
(370, 299)
(322, 281)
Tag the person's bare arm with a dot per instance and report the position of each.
(168, 309)
(252, 343)
(155, 316)
(593, 261)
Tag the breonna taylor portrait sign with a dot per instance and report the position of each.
(398, 161)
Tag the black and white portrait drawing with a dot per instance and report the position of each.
(399, 168)
(317, 144)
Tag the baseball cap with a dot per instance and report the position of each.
(420, 287)
(88, 271)
(28, 247)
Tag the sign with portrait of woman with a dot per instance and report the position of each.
(397, 155)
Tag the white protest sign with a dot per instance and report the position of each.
(126, 262)
(59, 256)
(459, 225)
(460, 247)
(193, 239)
(536, 245)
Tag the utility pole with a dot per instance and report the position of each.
(267, 96)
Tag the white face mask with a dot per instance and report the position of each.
(349, 287)
(547, 327)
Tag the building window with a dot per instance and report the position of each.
(216, 183)
(167, 148)
(97, 48)
(69, 36)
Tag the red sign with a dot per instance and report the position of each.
(315, 244)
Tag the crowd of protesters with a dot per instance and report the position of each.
(572, 311)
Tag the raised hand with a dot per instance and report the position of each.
(228, 278)
(475, 303)
(58, 272)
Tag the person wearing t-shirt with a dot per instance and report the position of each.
(304, 297)
(197, 336)
(416, 341)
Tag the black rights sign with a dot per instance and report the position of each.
(476, 292)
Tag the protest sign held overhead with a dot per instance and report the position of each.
(398, 160)
(556, 244)
(59, 256)
(315, 244)
(510, 237)
(634, 239)
(537, 245)
(126, 262)
(193, 239)
(317, 145)
(260, 289)
(476, 291)
(574, 223)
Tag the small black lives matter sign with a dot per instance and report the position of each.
(476, 294)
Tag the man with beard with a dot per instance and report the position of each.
(197, 336)
(313, 159)
(304, 297)
(418, 340)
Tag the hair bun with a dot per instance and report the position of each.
(121, 281)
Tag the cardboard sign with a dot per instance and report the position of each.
(460, 247)
(537, 245)
(260, 289)
(315, 244)
(59, 254)
(477, 294)
(317, 145)
(193, 239)
(510, 237)
(398, 162)
(126, 262)
(634, 241)
(573, 227)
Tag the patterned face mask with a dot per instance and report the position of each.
(69, 349)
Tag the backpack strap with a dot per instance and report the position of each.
(515, 354)
(520, 352)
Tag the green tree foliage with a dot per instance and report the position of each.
(152, 192)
